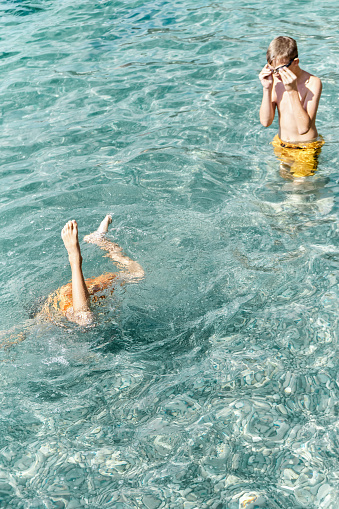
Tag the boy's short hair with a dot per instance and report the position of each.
(283, 48)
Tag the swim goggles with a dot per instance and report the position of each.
(277, 69)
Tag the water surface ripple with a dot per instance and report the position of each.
(214, 382)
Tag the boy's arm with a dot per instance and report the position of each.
(267, 108)
(304, 114)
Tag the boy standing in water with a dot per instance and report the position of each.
(296, 95)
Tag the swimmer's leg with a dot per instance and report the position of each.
(81, 313)
(130, 269)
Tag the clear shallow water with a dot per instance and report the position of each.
(213, 382)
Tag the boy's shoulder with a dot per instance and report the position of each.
(311, 80)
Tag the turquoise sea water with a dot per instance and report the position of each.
(214, 382)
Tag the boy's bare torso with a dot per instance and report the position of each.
(288, 130)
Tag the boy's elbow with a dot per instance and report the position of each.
(265, 122)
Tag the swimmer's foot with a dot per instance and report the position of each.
(103, 228)
(104, 224)
(69, 235)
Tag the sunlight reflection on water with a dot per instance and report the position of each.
(213, 383)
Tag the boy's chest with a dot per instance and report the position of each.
(282, 98)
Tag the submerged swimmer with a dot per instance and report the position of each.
(73, 300)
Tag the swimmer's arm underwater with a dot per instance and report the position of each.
(16, 334)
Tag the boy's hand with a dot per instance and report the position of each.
(266, 77)
(289, 79)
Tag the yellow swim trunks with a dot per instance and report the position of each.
(59, 302)
(300, 159)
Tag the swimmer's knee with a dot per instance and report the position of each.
(82, 318)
